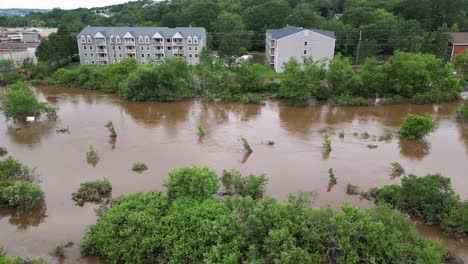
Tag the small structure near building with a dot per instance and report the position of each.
(458, 43)
(296, 42)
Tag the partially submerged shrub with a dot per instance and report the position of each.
(139, 166)
(92, 191)
(352, 189)
(387, 136)
(331, 175)
(19, 102)
(59, 251)
(63, 130)
(194, 182)
(251, 185)
(13, 170)
(462, 111)
(110, 127)
(246, 145)
(200, 130)
(397, 168)
(416, 127)
(21, 194)
(270, 142)
(326, 143)
(341, 134)
(397, 99)
(365, 135)
(92, 156)
(371, 146)
(3, 151)
(348, 100)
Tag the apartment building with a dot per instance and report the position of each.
(106, 45)
(285, 43)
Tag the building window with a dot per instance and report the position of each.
(169, 48)
(84, 47)
(117, 40)
(196, 55)
(147, 40)
(147, 55)
(189, 48)
(305, 52)
(141, 48)
(196, 48)
(190, 55)
(90, 40)
(113, 47)
(92, 62)
(168, 40)
(195, 40)
(120, 47)
(86, 54)
(111, 39)
(147, 48)
(189, 40)
(83, 39)
(140, 40)
(305, 43)
(142, 55)
(92, 55)
(90, 47)
(120, 55)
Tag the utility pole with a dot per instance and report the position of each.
(358, 47)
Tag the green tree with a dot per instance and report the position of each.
(229, 35)
(416, 127)
(194, 182)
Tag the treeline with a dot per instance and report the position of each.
(383, 26)
(186, 224)
(403, 78)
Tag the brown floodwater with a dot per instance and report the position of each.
(164, 136)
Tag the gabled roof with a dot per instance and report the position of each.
(459, 37)
(144, 31)
(289, 30)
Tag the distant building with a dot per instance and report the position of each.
(297, 42)
(106, 45)
(18, 56)
(458, 43)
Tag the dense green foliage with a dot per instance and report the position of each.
(19, 101)
(235, 184)
(8, 73)
(194, 182)
(430, 197)
(197, 228)
(16, 186)
(386, 26)
(417, 126)
(462, 111)
(92, 191)
(404, 77)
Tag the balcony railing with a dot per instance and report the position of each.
(176, 42)
(130, 50)
(129, 42)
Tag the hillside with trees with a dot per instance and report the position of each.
(234, 26)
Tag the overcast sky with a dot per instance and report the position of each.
(63, 4)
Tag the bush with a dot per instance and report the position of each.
(396, 99)
(435, 96)
(397, 168)
(195, 182)
(352, 189)
(92, 156)
(200, 130)
(21, 194)
(92, 191)
(146, 228)
(13, 170)
(326, 143)
(19, 260)
(19, 101)
(235, 184)
(430, 197)
(462, 111)
(3, 151)
(139, 166)
(416, 127)
(348, 100)
(59, 251)
(110, 127)
(246, 145)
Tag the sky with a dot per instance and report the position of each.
(63, 4)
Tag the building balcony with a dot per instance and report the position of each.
(101, 50)
(129, 42)
(130, 50)
(177, 42)
(159, 51)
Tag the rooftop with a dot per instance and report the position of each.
(459, 37)
(143, 31)
(289, 30)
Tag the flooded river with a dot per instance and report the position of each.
(164, 136)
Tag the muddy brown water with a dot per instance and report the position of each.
(163, 135)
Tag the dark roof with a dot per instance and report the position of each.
(143, 31)
(289, 30)
(459, 37)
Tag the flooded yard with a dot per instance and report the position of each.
(164, 136)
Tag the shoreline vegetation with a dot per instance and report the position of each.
(192, 222)
(403, 78)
